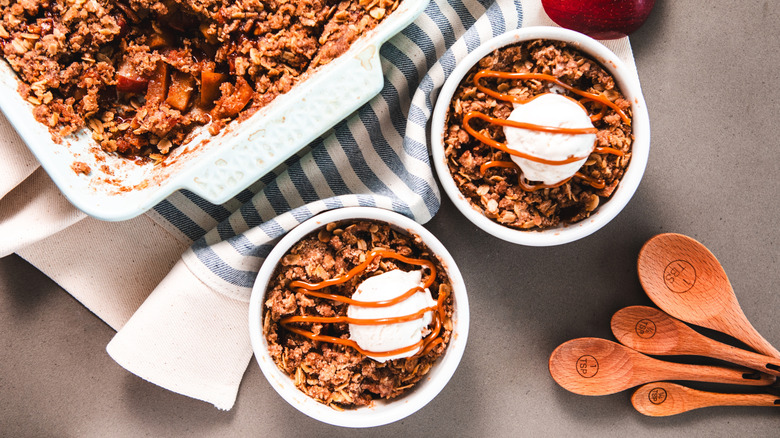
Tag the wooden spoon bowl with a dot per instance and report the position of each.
(685, 280)
(594, 366)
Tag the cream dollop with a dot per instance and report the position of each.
(550, 110)
(388, 337)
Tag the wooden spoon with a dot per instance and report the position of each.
(661, 399)
(685, 280)
(593, 366)
(652, 331)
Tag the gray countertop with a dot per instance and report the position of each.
(709, 73)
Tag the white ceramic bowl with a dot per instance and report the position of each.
(628, 84)
(382, 412)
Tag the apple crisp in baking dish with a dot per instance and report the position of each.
(141, 74)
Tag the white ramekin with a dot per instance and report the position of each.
(382, 412)
(627, 82)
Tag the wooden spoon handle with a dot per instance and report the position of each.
(760, 362)
(744, 400)
(662, 399)
(714, 374)
(739, 327)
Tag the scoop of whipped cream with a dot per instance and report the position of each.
(550, 110)
(387, 337)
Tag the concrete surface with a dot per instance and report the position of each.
(709, 73)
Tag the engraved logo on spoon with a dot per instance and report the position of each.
(657, 395)
(679, 276)
(587, 366)
(645, 328)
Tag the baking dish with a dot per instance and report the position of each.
(215, 168)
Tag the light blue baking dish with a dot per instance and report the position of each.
(213, 167)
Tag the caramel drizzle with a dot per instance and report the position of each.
(533, 187)
(586, 96)
(425, 345)
(503, 147)
(599, 115)
(600, 98)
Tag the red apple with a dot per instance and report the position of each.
(601, 19)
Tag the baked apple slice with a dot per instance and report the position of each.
(209, 87)
(234, 98)
(158, 84)
(128, 81)
(180, 91)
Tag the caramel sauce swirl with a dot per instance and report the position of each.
(503, 147)
(425, 345)
(598, 99)
(533, 187)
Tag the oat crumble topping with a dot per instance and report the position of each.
(141, 74)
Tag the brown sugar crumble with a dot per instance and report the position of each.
(81, 168)
(141, 74)
(498, 192)
(331, 373)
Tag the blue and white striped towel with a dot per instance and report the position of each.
(190, 335)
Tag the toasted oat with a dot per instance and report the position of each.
(377, 13)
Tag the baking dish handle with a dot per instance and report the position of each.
(285, 126)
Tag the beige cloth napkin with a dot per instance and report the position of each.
(173, 329)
